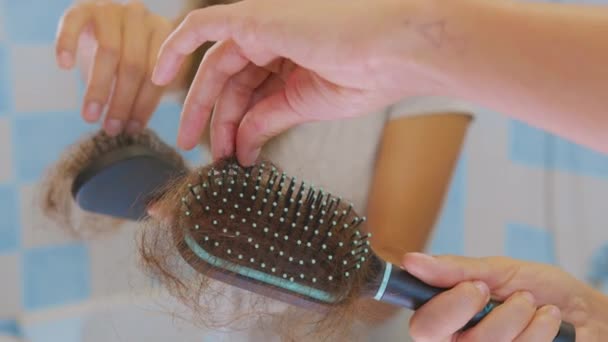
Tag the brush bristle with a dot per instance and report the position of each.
(260, 219)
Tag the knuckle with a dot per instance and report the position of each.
(191, 18)
(136, 5)
(71, 13)
(132, 70)
(470, 294)
(254, 123)
(109, 50)
(240, 87)
(135, 10)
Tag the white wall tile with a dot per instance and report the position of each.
(37, 229)
(6, 160)
(114, 263)
(41, 85)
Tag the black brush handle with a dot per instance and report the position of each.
(403, 289)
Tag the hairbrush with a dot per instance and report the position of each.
(261, 230)
(123, 174)
(265, 232)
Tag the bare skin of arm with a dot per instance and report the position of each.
(543, 63)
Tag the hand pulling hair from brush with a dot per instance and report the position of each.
(258, 229)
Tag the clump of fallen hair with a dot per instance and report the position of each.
(167, 257)
(56, 198)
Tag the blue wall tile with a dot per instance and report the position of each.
(20, 14)
(39, 139)
(10, 328)
(66, 330)
(6, 95)
(449, 231)
(529, 243)
(9, 224)
(537, 148)
(55, 275)
(165, 122)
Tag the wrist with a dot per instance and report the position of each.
(598, 315)
(450, 40)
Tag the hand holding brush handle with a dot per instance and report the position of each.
(529, 300)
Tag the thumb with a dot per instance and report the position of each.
(448, 271)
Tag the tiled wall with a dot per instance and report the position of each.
(41, 268)
(517, 191)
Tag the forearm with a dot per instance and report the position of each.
(598, 316)
(543, 63)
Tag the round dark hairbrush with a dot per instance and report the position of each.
(258, 229)
(108, 178)
(127, 173)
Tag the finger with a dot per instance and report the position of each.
(273, 84)
(448, 312)
(69, 29)
(446, 271)
(150, 94)
(107, 31)
(230, 108)
(297, 102)
(200, 26)
(220, 63)
(544, 326)
(505, 322)
(131, 68)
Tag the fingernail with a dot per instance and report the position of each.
(160, 74)
(92, 111)
(528, 296)
(555, 312)
(133, 127)
(422, 256)
(65, 59)
(483, 288)
(113, 127)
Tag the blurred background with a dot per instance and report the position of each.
(518, 191)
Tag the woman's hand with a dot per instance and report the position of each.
(123, 41)
(335, 58)
(536, 298)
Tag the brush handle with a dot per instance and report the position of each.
(400, 288)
